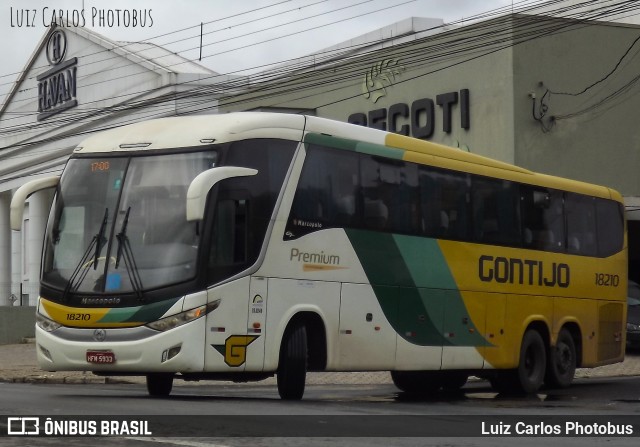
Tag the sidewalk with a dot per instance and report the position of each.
(18, 364)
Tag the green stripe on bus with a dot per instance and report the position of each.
(353, 145)
(147, 313)
(416, 291)
(425, 262)
(119, 314)
(329, 141)
(380, 151)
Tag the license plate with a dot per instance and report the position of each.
(101, 357)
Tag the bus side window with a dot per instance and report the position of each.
(390, 191)
(610, 223)
(581, 224)
(496, 213)
(230, 233)
(444, 203)
(327, 193)
(542, 218)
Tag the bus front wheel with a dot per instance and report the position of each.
(562, 361)
(159, 384)
(292, 367)
(417, 383)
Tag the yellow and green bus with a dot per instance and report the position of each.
(239, 246)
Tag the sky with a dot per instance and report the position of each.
(239, 37)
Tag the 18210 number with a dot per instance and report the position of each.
(607, 280)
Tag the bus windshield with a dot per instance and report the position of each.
(118, 224)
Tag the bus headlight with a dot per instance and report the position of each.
(176, 320)
(45, 323)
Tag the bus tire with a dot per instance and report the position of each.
(503, 382)
(159, 384)
(561, 365)
(453, 381)
(533, 362)
(416, 382)
(292, 367)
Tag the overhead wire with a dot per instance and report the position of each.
(197, 104)
(114, 79)
(125, 45)
(211, 55)
(107, 51)
(543, 104)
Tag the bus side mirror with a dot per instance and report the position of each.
(202, 184)
(22, 194)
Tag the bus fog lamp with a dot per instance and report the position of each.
(46, 353)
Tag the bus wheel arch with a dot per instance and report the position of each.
(529, 374)
(303, 348)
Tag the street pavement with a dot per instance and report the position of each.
(18, 364)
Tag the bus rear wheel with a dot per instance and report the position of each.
(159, 384)
(292, 367)
(561, 366)
(533, 362)
(527, 378)
(453, 381)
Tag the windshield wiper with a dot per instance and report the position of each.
(121, 235)
(82, 268)
(99, 238)
(124, 247)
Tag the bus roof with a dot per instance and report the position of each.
(203, 130)
(193, 131)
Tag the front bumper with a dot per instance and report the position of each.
(136, 350)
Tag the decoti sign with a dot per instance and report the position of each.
(419, 118)
(57, 86)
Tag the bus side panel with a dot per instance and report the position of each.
(227, 343)
(521, 311)
(366, 340)
(498, 347)
(611, 325)
(462, 344)
(288, 297)
(419, 324)
(583, 312)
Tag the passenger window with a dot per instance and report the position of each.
(327, 192)
(581, 225)
(610, 221)
(444, 203)
(496, 215)
(542, 219)
(390, 192)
